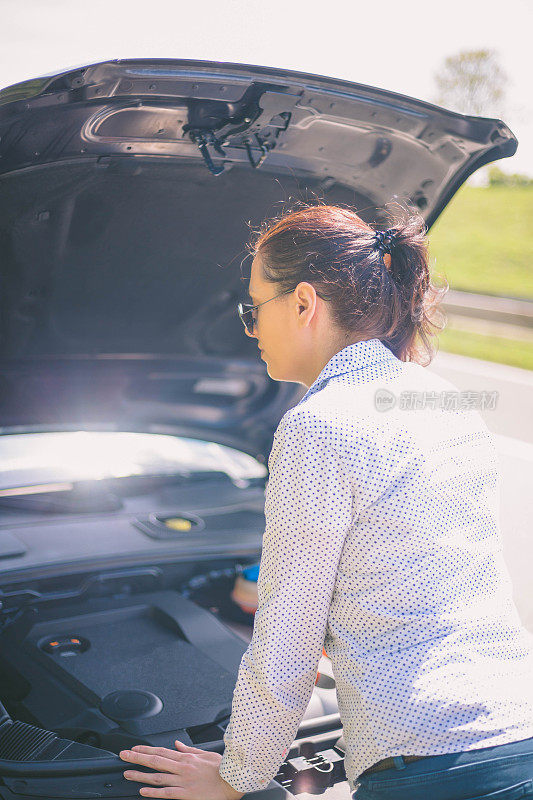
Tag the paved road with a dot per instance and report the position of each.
(513, 415)
(511, 422)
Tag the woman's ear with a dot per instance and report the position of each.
(306, 298)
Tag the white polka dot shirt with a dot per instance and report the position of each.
(381, 545)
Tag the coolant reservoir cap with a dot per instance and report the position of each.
(126, 704)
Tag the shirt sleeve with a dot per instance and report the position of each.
(308, 512)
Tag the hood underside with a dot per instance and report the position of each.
(127, 193)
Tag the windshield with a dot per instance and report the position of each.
(31, 459)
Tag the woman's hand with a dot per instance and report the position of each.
(186, 773)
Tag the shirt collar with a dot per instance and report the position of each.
(352, 357)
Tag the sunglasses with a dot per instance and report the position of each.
(245, 311)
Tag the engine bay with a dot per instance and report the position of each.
(142, 656)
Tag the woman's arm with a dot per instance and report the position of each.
(308, 511)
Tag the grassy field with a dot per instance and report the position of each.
(490, 348)
(483, 241)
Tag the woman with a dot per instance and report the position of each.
(381, 541)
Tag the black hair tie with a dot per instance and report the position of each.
(384, 240)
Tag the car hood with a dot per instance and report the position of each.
(128, 191)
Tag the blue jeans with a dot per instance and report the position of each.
(502, 772)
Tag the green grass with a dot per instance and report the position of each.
(483, 241)
(490, 348)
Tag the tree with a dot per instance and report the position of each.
(472, 82)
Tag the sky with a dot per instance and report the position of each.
(393, 45)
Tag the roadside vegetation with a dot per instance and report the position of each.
(483, 242)
(514, 352)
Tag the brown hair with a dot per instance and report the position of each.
(335, 251)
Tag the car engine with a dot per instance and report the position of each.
(131, 658)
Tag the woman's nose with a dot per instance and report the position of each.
(251, 335)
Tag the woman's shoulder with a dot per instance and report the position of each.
(416, 410)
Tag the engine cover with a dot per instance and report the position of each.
(150, 664)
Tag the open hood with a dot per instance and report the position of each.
(127, 192)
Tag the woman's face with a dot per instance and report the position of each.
(293, 331)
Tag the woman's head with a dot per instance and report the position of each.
(334, 284)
